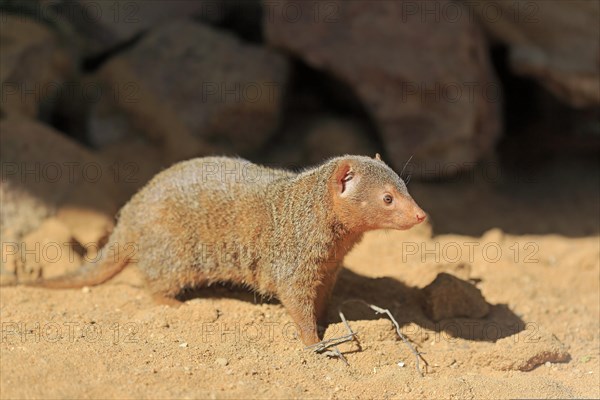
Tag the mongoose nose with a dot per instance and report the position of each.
(421, 217)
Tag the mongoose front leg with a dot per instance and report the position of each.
(324, 294)
(302, 310)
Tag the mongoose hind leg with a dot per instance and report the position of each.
(162, 298)
(163, 294)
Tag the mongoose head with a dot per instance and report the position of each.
(368, 195)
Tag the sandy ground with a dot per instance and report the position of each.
(530, 245)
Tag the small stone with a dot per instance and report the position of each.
(223, 362)
(450, 297)
(86, 289)
(401, 364)
(184, 344)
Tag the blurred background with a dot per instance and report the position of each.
(488, 108)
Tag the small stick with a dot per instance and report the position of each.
(328, 343)
(325, 344)
(380, 310)
(417, 354)
(336, 353)
(343, 318)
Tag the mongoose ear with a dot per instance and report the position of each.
(378, 157)
(343, 177)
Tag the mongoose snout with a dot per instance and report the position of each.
(285, 234)
(414, 214)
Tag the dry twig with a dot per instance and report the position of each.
(379, 310)
(325, 344)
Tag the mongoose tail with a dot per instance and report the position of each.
(89, 275)
(112, 259)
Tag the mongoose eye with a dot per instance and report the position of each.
(348, 177)
(388, 199)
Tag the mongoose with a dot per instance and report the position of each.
(278, 232)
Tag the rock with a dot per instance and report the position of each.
(524, 351)
(314, 139)
(44, 173)
(86, 225)
(460, 270)
(48, 251)
(329, 137)
(103, 26)
(33, 67)
(450, 297)
(555, 42)
(428, 85)
(206, 92)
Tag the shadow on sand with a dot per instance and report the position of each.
(404, 302)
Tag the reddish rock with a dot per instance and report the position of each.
(205, 92)
(555, 42)
(329, 137)
(104, 25)
(33, 68)
(426, 81)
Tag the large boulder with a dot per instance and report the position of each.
(313, 139)
(45, 175)
(33, 68)
(426, 81)
(328, 137)
(102, 26)
(193, 90)
(555, 42)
